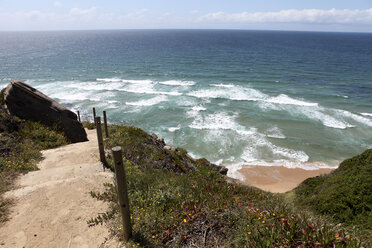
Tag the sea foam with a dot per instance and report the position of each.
(355, 117)
(198, 108)
(258, 141)
(216, 121)
(178, 83)
(173, 129)
(236, 93)
(148, 102)
(97, 86)
(275, 132)
(109, 79)
(146, 87)
(284, 99)
(223, 85)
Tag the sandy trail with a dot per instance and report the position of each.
(53, 204)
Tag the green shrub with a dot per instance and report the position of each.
(345, 194)
(199, 208)
(89, 125)
(42, 136)
(148, 151)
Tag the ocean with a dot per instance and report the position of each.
(238, 98)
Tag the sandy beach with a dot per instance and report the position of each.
(278, 179)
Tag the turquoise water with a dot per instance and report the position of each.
(238, 98)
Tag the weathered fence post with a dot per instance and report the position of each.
(94, 114)
(100, 139)
(79, 116)
(105, 122)
(121, 184)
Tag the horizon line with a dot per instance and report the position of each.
(185, 29)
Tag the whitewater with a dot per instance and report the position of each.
(237, 98)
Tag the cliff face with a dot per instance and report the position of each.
(27, 103)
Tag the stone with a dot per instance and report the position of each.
(27, 103)
(168, 147)
(154, 136)
(223, 170)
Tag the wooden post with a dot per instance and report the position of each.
(121, 184)
(94, 114)
(79, 116)
(100, 139)
(105, 122)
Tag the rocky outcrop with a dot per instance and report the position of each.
(27, 103)
(7, 123)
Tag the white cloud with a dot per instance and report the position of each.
(332, 16)
(93, 18)
(83, 12)
(75, 18)
(57, 4)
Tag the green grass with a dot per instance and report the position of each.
(89, 125)
(345, 194)
(148, 152)
(43, 137)
(197, 207)
(20, 145)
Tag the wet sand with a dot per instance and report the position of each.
(278, 179)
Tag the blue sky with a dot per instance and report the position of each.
(314, 15)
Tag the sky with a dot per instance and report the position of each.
(302, 15)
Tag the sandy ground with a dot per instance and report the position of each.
(53, 204)
(278, 179)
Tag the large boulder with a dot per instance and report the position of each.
(27, 103)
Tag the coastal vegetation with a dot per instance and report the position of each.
(20, 146)
(344, 195)
(186, 204)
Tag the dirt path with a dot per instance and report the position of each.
(53, 204)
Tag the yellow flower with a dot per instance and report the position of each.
(153, 236)
(249, 233)
(263, 221)
(184, 220)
